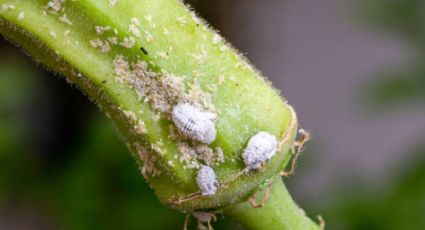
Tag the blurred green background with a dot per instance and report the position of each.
(354, 70)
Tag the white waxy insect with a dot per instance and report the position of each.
(194, 123)
(260, 148)
(206, 180)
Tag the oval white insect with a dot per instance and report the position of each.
(206, 180)
(194, 123)
(260, 148)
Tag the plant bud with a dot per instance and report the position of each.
(187, 105)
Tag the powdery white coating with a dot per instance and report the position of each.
(260, 148)
(194, 123)
(206, 180)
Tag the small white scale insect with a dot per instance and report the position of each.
(194, 123)
(260, 148)
(206, 180)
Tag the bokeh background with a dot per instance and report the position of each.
(353, 69)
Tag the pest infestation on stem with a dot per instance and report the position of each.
(199, 126)
(257, 152)
(166, 93)
(171, 93)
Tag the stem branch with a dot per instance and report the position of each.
(279, 213)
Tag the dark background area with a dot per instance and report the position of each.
(353, 70)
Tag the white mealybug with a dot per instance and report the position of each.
(206, 180)
(260, 148)
(194, 123)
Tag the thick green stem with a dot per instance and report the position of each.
(279, 213)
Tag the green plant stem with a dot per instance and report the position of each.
(279, 213)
